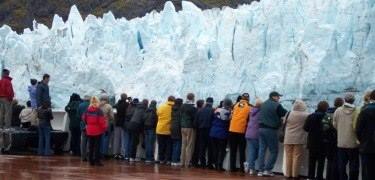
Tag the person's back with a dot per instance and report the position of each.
(42, 93)
(343, 120)
(44, 115)
(164, 118)
(252, 130)
(151, 117)
(205, 116)
(6, 97)
(176, 122)
(220, 123)
(121, 108)
(95, 121)
(188, 115)
(72, 110)
(294, 132)
(137, 120)
(28, 115)
(32, 93)
(16, 111)
(240, 116)
(269, 116)
(6, 88)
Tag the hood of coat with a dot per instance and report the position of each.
(299, 105)
(92, 109)
(348, 108)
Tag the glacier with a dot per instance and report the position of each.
(313, 50)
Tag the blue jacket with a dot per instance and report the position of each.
(205, 116)
(220, 124)
(32, 94)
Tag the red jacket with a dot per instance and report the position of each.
(6, 88)
(95, 121)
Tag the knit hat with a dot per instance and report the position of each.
(349, 98)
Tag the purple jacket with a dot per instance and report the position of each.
(253, 125)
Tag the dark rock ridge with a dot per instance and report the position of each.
(19, 14)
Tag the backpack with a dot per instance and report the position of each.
(327, 129)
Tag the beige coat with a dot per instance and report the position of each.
(343, 120)
(108, 113)
(294, 132)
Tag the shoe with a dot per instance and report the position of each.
(131, 160)
(84, 160)
(121, 157)
(148, 162)
(168, 163)
(246, 167)
(268, 173)
(126, 159)
(260, 174)
(252, 172)
(210, 167)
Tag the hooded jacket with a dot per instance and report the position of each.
(6, 88)
(343, 120)
(366, 129)
(164, 118)
(151, 118)
(294, 132)
(220, 123)
(176, 122)
(252, 131)
(72, 110)
(205, 116)
(137, 120)
(95, 121)
(240, 116)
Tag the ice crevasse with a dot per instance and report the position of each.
(312, 50)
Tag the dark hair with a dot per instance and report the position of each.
(338, 102)
(178, 102)
(372, 95)
(323, 106)
(210, 100)
(200, 103)
(221, 104)
(28, 103)
(145, 102)
(239, 98)
(227, 103)
(153, 104)
(190, 97)
(5, 72)
(45, 76)
(171, 98)
(33, 81)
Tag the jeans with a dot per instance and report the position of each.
(176, 150)
(252, 152)
(218, 151)
(106, 141)
(118, 135)
(75, 140)
(84, 145)
(268, 139)
(237, 141)
(126, 144)
(5, 113)
(350, 156)
(150, 144)
(164, 147)
(44, 131)
(94, 149)
(368, 164)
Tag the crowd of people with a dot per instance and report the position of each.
(194, 133)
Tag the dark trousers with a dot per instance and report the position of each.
(94, 149)
(237, 141)
(26, 125)
(316, 159)
(165, 147)
(75, 141)
(134, 138)
(203, 143)
(218, 151)
(350, 156)
(332, 172)
(44, 144)
(195, 157)
(368, 165)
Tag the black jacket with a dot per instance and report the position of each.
(366, 129)
(314, 127)
(42, 94)
(204, 117)
(176, 123)
(188, 115)
(44, 115)
(129, 114)
(72, 110)
(151, 118)
(121, 108)
(137, 120)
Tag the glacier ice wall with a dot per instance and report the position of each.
(304, 49)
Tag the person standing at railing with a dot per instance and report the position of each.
(107, 138)
(74, 123)
(42, 91)
(82, 108)
(6, 98)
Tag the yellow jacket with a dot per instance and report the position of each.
(164, 118)
(240, 115)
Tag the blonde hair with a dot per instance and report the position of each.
(258, 102)
(94, 101)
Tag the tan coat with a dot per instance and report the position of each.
(108, 113)
(294, 132)
(344, 119)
